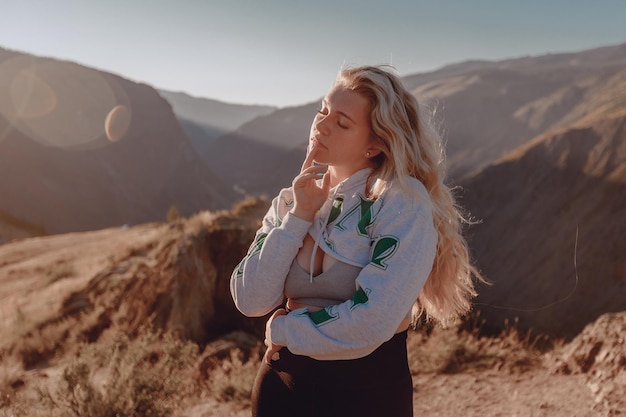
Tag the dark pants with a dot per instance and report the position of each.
(379, 384)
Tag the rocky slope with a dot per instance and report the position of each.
(67, 299)
(551, 229)
(57, 291)
(489, 108)
(599, 353)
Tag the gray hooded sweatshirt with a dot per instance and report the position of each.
(392, 239)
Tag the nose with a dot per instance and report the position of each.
(321, 125)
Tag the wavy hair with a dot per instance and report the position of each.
(411, 147)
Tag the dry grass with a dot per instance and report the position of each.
(154, 375)
(464, 348)
(145, 377)
(160, 375)
(11, 380)
(232, 378)
(59, 272)
(230, 365)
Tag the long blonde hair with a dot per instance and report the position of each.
(411, 147)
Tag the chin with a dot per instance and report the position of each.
(321, 162)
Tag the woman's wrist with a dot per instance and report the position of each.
(303, 214)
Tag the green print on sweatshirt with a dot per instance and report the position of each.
(364, 209)
(335, 210)
(278, 220)
(255, 248)
(324, 315)
(384, 248)
(359, 297)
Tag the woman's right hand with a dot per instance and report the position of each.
(308, 195)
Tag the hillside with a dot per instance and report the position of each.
(484, 108)
(264, 154)
(172, 276)
(78, 311)
(551, 227)
(82, 149)
(490, 108)
(204, 120)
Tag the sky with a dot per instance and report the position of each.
(287, 52)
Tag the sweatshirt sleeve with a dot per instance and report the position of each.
(257, 283)
(403, 247)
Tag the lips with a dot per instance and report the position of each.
(317, 144)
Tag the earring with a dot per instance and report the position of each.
(368, 154)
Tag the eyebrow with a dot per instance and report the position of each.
(340, 112)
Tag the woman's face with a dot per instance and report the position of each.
(340, 133)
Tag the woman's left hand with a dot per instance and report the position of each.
(271, 347)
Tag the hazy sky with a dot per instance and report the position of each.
(287, 52)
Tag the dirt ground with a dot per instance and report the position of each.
(491, 393)
(532, 394)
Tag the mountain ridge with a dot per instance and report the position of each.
(486, 110)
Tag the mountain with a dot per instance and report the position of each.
(264, 154)
(203, 119)
(489, 108)
(484, 108)
(82, 149)
(551, 231)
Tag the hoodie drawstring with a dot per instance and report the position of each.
(321, 233)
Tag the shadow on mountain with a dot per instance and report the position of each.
(551, 232)
(265, 154)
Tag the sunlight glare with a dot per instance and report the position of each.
(62, 104)
(117, 122)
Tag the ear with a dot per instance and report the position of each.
(372, 151)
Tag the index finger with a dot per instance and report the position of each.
(308, 161)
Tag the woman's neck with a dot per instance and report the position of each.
(337, 174)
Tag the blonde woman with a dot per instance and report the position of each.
(366, 239)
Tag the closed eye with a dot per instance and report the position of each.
(324, 112)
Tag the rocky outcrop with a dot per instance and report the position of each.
(599, 353)
(179, 282)
(170, 277)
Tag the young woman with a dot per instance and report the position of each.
(366, 239)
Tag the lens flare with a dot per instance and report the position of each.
(62, 104)
(117, 122)
(30, 96)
